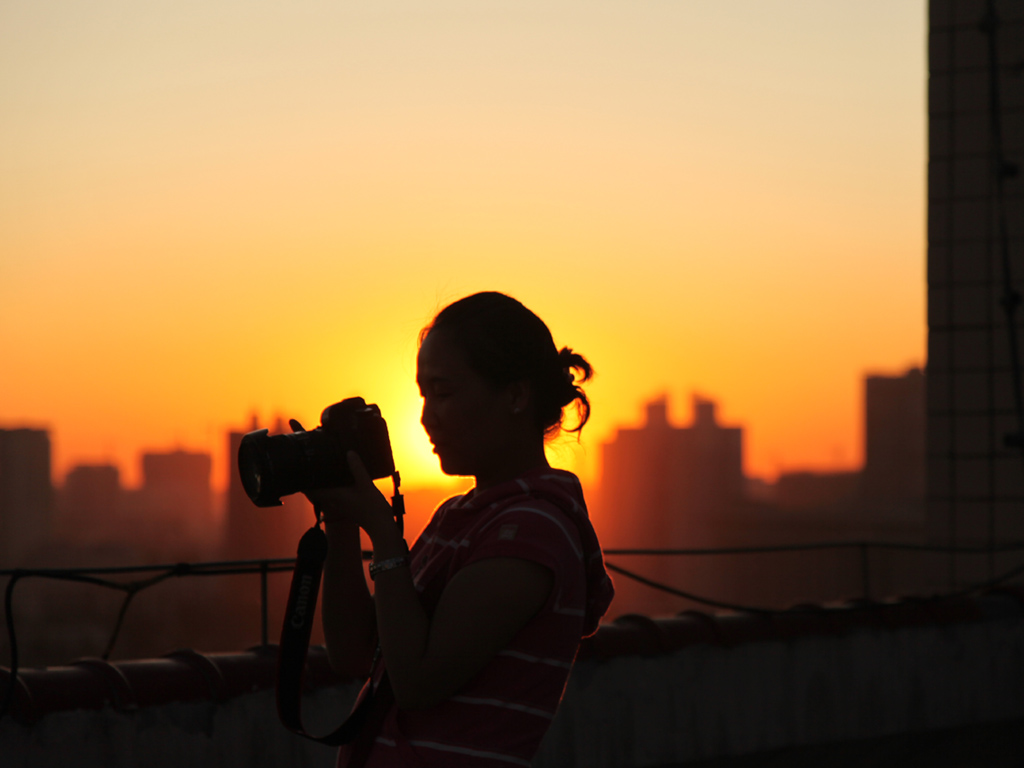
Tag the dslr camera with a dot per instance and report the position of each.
(278, 465)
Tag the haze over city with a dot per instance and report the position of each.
(215, 211)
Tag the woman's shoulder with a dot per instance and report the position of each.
(556, 487)
(530, 521)
(543, 508)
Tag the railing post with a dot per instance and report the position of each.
(263, 602)
(865, 571)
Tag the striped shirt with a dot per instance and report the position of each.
(499, 717)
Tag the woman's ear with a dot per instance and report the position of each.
(519, 396)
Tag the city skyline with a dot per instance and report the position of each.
(664, 485)
(222, 466)
(207, 216)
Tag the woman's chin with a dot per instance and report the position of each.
(451, 466)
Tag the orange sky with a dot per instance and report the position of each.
(215, 209)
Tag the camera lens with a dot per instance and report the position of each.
(274, 466)
(255, 469)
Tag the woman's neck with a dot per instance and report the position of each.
(511, 469)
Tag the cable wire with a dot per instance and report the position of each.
(742, 608)
(161, 573)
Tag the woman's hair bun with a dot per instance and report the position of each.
(575, 367)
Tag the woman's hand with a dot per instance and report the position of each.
(348, 616)
(361, 504)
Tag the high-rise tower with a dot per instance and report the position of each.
(975, 410)
(26, 493)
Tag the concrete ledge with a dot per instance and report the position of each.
(714, 701)
(647, 693)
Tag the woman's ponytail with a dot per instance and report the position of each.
(574, 368)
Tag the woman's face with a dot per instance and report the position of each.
(471, 422)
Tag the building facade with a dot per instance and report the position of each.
(90, 504)
(892, 483)
(252, 532)
(26, 493)
(975, 415)
(174, 506)
(673, 479)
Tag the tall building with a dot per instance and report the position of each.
(174, 507)
(252, 532)
(893, 479)
(890, 488)
(668, 487)
(26, 493)
(90, 504)
(668, 479)
(975, 437)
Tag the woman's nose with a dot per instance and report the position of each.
(427, 418)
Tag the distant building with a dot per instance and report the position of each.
(668, 478)
(892, 481)
(816, 492)
(666, 487)
(90, 504)
(245, 524)
(890, 487)
(26, 493)
(174, 506)
(252, 532)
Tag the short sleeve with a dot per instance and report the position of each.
(531, 530)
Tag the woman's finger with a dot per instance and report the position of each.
(360, 476)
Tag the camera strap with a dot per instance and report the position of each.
(294, 647)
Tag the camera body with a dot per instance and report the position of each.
(272, 466)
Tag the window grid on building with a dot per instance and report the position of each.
(975, 477)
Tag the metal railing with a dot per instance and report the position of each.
(151, 575)
(864, 549)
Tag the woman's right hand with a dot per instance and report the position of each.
(361, 503)
(328, 502)
(332, 502)
(347, 613)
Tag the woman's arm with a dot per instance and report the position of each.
(480, 611)
(347, 613)
(346, 610)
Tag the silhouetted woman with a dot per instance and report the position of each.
(479, 623)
